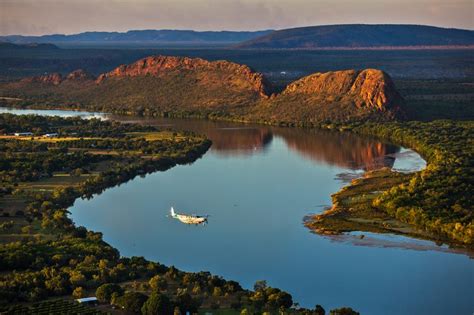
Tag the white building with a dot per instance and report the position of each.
(88, 300)
(23, 134)
(50, 135)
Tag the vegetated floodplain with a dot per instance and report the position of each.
(43, 254)
(434, 203)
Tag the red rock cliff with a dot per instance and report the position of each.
(161, 65)
(367, 88)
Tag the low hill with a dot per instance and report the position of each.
(362, 36)
(141, 36)
(150, 85)
(166, 85)
(335, 96)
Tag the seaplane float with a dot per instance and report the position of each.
(189, 219)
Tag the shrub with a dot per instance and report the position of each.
(105, 291)
(157, 304)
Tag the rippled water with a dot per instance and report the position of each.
(257, 184)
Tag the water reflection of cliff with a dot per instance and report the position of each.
(342, 149)
(240, 141)
(334, 148)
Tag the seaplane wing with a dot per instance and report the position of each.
(188, 219)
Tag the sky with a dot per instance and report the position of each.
(37, 17)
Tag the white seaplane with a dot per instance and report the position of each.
(189, 219)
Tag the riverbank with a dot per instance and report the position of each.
(443, 144)
(431, 204)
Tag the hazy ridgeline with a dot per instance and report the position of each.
(280, 66)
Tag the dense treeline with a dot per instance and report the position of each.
(38, 125)
(439, 198)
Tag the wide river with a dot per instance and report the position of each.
(258, 183)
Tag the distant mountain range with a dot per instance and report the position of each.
(361, 36)
(347, 36)
(140, 36)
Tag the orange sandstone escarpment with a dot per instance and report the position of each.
(194, 86)
(51, 78)
(56, 78)
(336, 96)
(369, 88)
(236, 75)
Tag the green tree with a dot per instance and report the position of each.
(131, 301)
(157, 303)
(186, 303)
(157, 283)
(78, 292)
(105, 291)
(319, 310)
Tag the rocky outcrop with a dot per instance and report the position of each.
(79, 75)
(51, 78)
(160, 66)
(369, 88)
(56, 78)
(376, 89)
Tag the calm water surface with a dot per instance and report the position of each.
(257, 184)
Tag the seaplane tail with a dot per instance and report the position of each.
(173, 214)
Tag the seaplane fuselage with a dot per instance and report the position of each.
(188, 219)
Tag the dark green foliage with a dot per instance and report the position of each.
(437, 199)
(269, 298)
(319, 310)
(157, 304)
(105, 291)
(131, 301)
(186, 303)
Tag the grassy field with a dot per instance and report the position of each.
(154, 136)
(45, 139)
